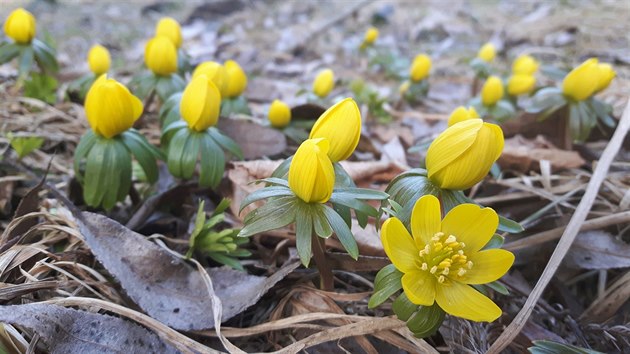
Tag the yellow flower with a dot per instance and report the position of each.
(463, 154)
(341, 125)
(200, 104)
(216, 72)
(492, 91)
(461, 113)
(98, 59)
(520, 84)
(160, 55)
(324, 83)
(311, 174)
(441, 258)
(370, 36)
(606, 75)
(20, 26)
(236, 79)
(169, 28)
(525, 65)
(279, 114)
(582, 81)
(110, 107)
(487, 52)
(404, 87)
(420, 67)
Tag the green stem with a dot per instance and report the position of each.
(327, 281)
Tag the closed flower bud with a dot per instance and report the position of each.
(520, 84)
(420, 67)
(160, 56)
(110, 108)
(492, 91)
(525, 65)
(606, 75)
(98, 59)
(461, 114)
(279, 114)
(370, 36)
(581, 82)
(341, 126)
(20, 26)
(463, 154)
(404, 87)
(487, 52)
(324, 83)
(311, 174)
(236, 79)
(200, 104)
(216, 72)
(169, 28)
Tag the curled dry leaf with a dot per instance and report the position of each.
(65, 330)
(242, 175)
(598, 250)
(524, 155)
(164, 286)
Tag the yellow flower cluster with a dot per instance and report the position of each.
(523, 79)
(587, 79)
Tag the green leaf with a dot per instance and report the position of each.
(264, 193)
(227, 260)
(603, 111)
(407, 188)
(350, 202)
(550, 347)
(275, 181)
(498, 287)
(320, 223)
(546, 99)
(386, 284)
(169, 112)
(200, 219)
(45, 57)
(342, 231)
(144, 153)
(122, 171)
(191, 153)
(223, 205)
(304, 232)
(95, 172)
(275, 214)
(170, 130)
(342, 178)
(212, 162)
(496, 241)
(8, 51)
(295, 134)
(282, 171)
(24, 145)
(41, 87)
(166, 86)
(360, 193)
(403, 308)
(27, 57)
(426, 321)
(85, 144)
(226, 142)
(176, 151)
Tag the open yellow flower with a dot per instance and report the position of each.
(20, 26)
(520, 84)
(311, 174)
(324, 83)
(99, 59)
(463, 154)
(492, 91)
(370, 36)
(160, 56)
(606, 75)
(461, 114)
(581, 82)
(341, 126)
(110, 108)
(420, 67)
(525, 65)
(216, 72)
(487, 52)
(442, 258)
(169, 28)
(236, 79)
(200, 104)
(279, 114)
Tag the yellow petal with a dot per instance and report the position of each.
(370, 35)
(488, 266)
(419, 286)
(215, 72)
(169, 28)
(160, 56)
(463, 301)
(420, 67)
(452, 143)
(311, 173)
(279, 114)
(324, 83)
(492, 91)
(110, 107)
(582, 81)
(200, 104)
(99, 59)
(426, 219)
(399, 246)
(525, 65)
(520, 84)
(606, 75)
(341, 125)
(487, 52)
(20, 26)
(461, 114)
(236, 79)
(471, 224)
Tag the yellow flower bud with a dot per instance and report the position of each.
(160, 56)
(279, 114)
(200, 104)
(487, 52)
(492, 91)
(169, 28)
(311, 174)
(341, 126)
(236, 79)
(110, 108)
(324, 83)
(370, 36)
(463, 154)
(525, 65)
(98, 59)
(216, 72)
(606, 75)
(520, 84)
(20, 26)
(461, 114)
(581, 82)
(420, 67)
(404, 87)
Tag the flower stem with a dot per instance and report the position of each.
(327, 281)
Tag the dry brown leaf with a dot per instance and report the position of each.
(254, 139)
(242, 175)
(524, 155)
(368, 240)
(598, 250)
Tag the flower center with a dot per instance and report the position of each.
(444, 257)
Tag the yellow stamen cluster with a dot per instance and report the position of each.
(442, 254)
